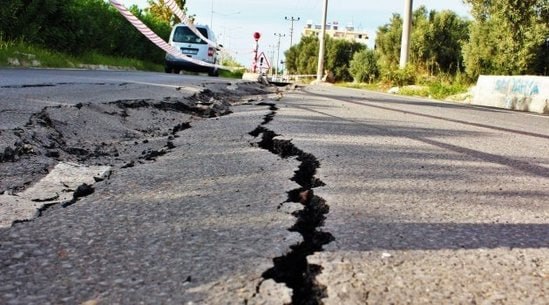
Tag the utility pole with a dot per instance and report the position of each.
(320, 69)
(406, 30)
(292, 19)
(279, 35)
(271, 57)
(212, 16)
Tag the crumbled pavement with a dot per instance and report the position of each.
(64, 184)
(113, 133)
(197, 226)
(190, 214)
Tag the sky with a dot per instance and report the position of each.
(235, 21)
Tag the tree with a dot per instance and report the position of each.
(436, 41)
(78, 26)
(302, 58)
(364, 67)
(27, 18)
(339, 53)
(388, 42)
(162, 12)
(508, 37)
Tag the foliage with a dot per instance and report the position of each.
(160, 11)
(28, 55)
(508, 37)
(229, 61)
(364, 86)
(302, 58)
(80, 26)
(435, 44)
(364, 66)
(439, 87)
(400, 77)
(437, 39)
(237, 73)
(388, 41)
(440, 90)
(339, 54)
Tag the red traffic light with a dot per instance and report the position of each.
(257, 35)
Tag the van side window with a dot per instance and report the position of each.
(185, 35)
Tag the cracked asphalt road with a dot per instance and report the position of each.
(430, 203)
(99, 118)
(198, 224)
(375, 199)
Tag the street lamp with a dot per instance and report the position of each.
(279, 35)
(292, 19)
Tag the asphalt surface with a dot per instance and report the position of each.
(198, 223)
(99, 117)
(315, 196)
(430, 202)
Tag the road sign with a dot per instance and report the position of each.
(263, 58)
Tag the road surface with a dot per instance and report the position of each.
(318, 195)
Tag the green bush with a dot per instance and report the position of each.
(400, 77)
(364, 67)
(442, 90)
(80, 26)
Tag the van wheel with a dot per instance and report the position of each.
(213, 72)
(176, 70)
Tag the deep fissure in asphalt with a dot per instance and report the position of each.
(293, 269)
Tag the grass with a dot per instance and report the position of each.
(365, 86)
(231, 74)
(437, 88)
(21, 54)
(442, 91)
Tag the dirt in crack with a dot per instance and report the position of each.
(293, 269)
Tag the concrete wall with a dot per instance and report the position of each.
(524, 93)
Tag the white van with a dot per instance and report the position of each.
(182, 38)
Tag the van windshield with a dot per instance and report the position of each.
(185, 35)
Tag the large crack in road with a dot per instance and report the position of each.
(118, 134)
(293, 269)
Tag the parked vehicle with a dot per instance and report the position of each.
(182, 38)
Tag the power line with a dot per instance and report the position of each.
(292, 19)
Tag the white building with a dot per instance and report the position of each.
(335, 31)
